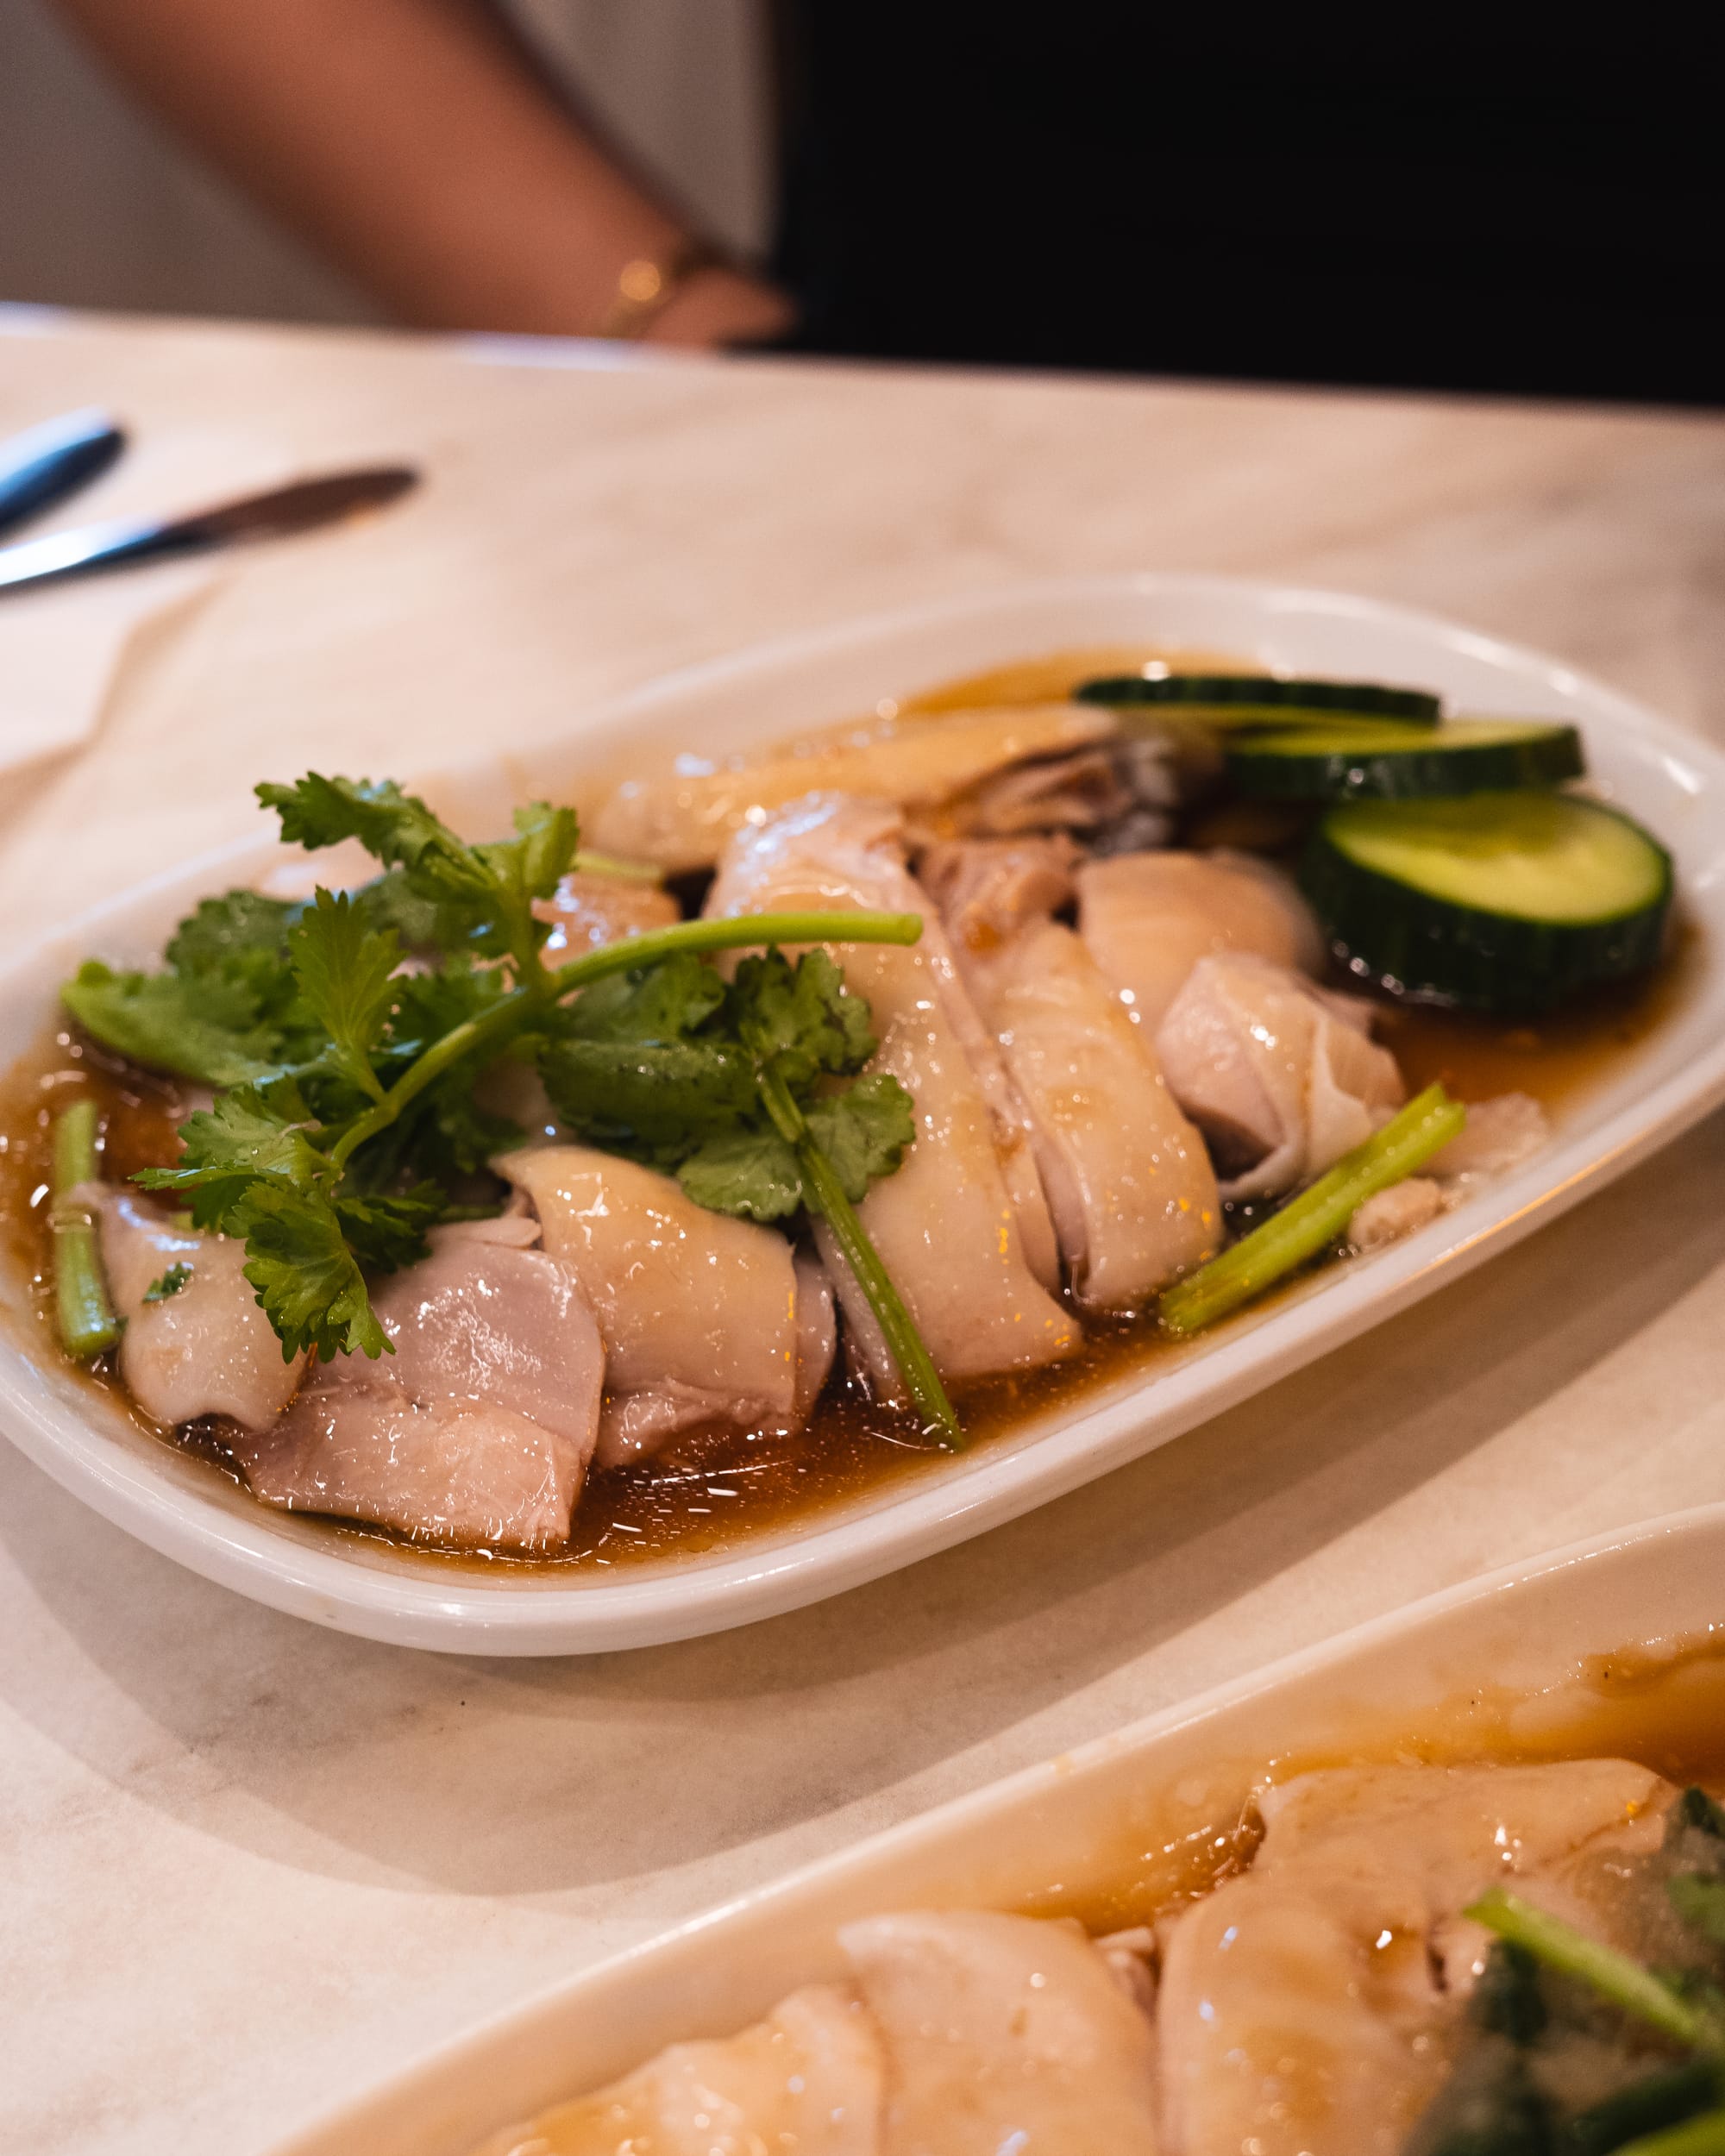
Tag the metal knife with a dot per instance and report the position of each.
(44, 464)
(284, 509)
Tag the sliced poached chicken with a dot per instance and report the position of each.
(956, 1225)
(681, 814)
(805, 2082)
(204, 1348)
(1130, 1186)
(1003, 2032)
(1300, 2003)
(705, 1318)
(477, 1430)
(1281, 1077)
(1147, 919)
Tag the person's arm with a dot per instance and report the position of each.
(407, 140)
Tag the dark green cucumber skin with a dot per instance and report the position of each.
(1365, 699)
(1418, 771)
(1432, 950)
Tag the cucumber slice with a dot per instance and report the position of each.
(1502, 902)
(1374, 760)
(1228, 700)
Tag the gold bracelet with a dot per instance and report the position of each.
(648, 286)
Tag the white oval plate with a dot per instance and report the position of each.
(1677, 784)
(1519, 1637)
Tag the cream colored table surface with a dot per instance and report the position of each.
(249, 1864)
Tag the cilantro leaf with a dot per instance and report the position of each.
(308, 1281)
(531, 864)
(390, 902)
(386, 1232)
(665, 1064)
(629, 1068)
(395, 828)
(243, 940)
(259, 1128)
(251, 1134)
(227, 1009)
(343, 967)
(802, 1017)
(483, 894)
(752, 1174)
(445, 1132)
(251, 1171)
(169, 1283)
(864, 1130)
(427, 1005)
(667, 1001)
(1699, 1900)
(454, 1136)
(204, 1029)
(398, 829)
(239, 924)
(653, 1100)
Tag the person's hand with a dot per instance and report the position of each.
(718, 307)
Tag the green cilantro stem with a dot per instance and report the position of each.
(492, 1030)
(1314, 1220)
(1572, 1953)
(87, 1323)
(909, 1350)
(739, 933)
(1702, 2136)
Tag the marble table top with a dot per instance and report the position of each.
(251, 1864)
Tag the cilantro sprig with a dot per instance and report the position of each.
(347, 1037)
(673, 1067)
(737, 1090)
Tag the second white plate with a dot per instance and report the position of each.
(1508, 1663)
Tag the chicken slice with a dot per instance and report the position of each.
(830, 850)
(1280, 1080)
(945, 1224)
(680, 813)
(464, 1474)
(705, 1318)
(1003, 2033)
(206, 1349)
(477, 1430)
(1130, 1186)
(588, 911)
(805, 2082)
(1148, 919)
(1302, 2005)
(991, 889)
(1079, 791)
(488, 1317)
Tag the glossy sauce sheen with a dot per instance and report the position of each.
(1664, 1710)
(722, 1487)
